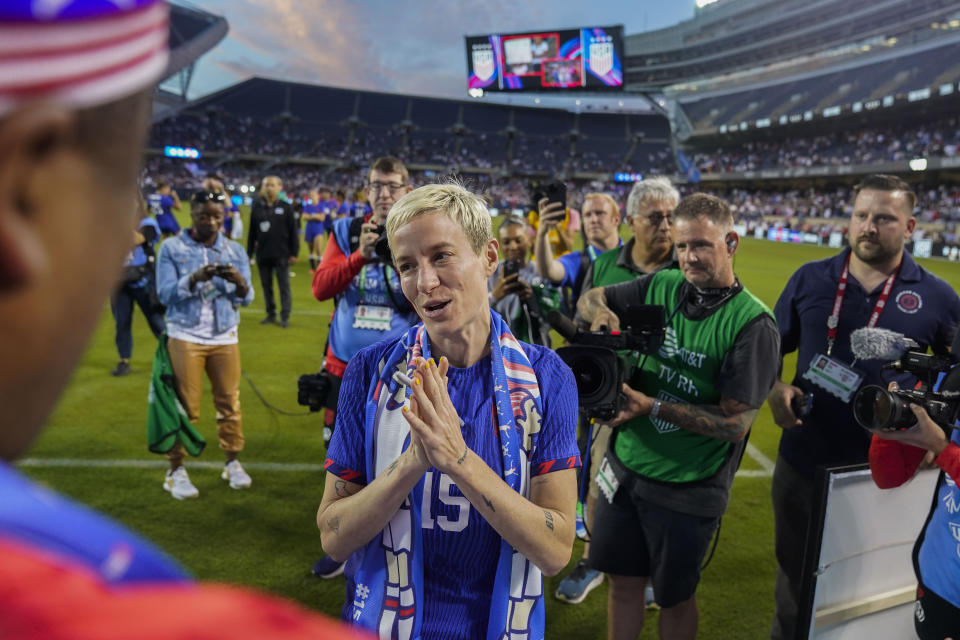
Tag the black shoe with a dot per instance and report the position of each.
(122, 369)
(269, 320)
(284, 324)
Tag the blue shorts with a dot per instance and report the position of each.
(167, 223)
(313, 229)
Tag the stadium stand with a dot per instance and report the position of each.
(193, 32)
(270, 120)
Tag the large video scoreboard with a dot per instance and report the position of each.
(561, 60)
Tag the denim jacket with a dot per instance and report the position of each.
(179, 257)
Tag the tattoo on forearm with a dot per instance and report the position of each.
(340, 486)
(334, 524)
(729, 422)
(393, 466)
(464, 456)
(549, 517)
(488, 503)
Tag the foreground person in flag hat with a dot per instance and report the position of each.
(451, 483)
(76, 82)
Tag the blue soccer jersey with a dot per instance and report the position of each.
(460, 548)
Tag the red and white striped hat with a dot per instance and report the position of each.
(80, 52)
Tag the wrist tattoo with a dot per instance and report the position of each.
(549, 517)
(464, 456)
(393, 466)
(489, 504)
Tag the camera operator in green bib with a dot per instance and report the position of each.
(682, 429)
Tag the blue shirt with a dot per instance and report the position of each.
(376, 285)
(571, 264)
(461, 548)
(921, 306)
(939, 555)
(160, 204)
(42, 519)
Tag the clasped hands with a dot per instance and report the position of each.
(436, 434)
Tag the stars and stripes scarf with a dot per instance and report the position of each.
(388, 572)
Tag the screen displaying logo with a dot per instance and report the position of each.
(483, 65)
(601, 58)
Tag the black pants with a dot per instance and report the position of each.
(121, 303)
(792, 509)
(280, 266)
(934, 618)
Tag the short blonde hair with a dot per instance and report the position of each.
(463, 207)
(605, 197)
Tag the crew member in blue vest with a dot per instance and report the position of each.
(139, 286)
(370, 305)
(874, 282)
(894, 458)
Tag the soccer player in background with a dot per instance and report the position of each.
(162, 202)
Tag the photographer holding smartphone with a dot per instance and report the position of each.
(202, 278)
(516, 290)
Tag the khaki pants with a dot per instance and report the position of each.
(221, 363)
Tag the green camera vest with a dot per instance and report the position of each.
(684, 370)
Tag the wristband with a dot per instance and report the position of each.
(655, 410)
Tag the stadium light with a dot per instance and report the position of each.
(918, 164)
(181, 152)
(243, 188)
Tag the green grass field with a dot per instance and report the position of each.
(267, 538)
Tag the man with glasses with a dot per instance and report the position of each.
(274, 237)
(202, 278)
(370, 305)
(650, 206)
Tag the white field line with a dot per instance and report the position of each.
(757, 456)
(160, 463)
(293, 312)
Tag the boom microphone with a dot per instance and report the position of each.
(562, 324)
(872, 343)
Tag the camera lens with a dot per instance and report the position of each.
(876, 408)
(590, 377)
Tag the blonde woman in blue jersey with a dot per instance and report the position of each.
(451, 481)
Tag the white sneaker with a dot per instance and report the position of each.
(239, 479)
(178, 484)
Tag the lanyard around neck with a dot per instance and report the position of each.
(833, 322)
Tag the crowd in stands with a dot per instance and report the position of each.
(219, 131)
(842, 148)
